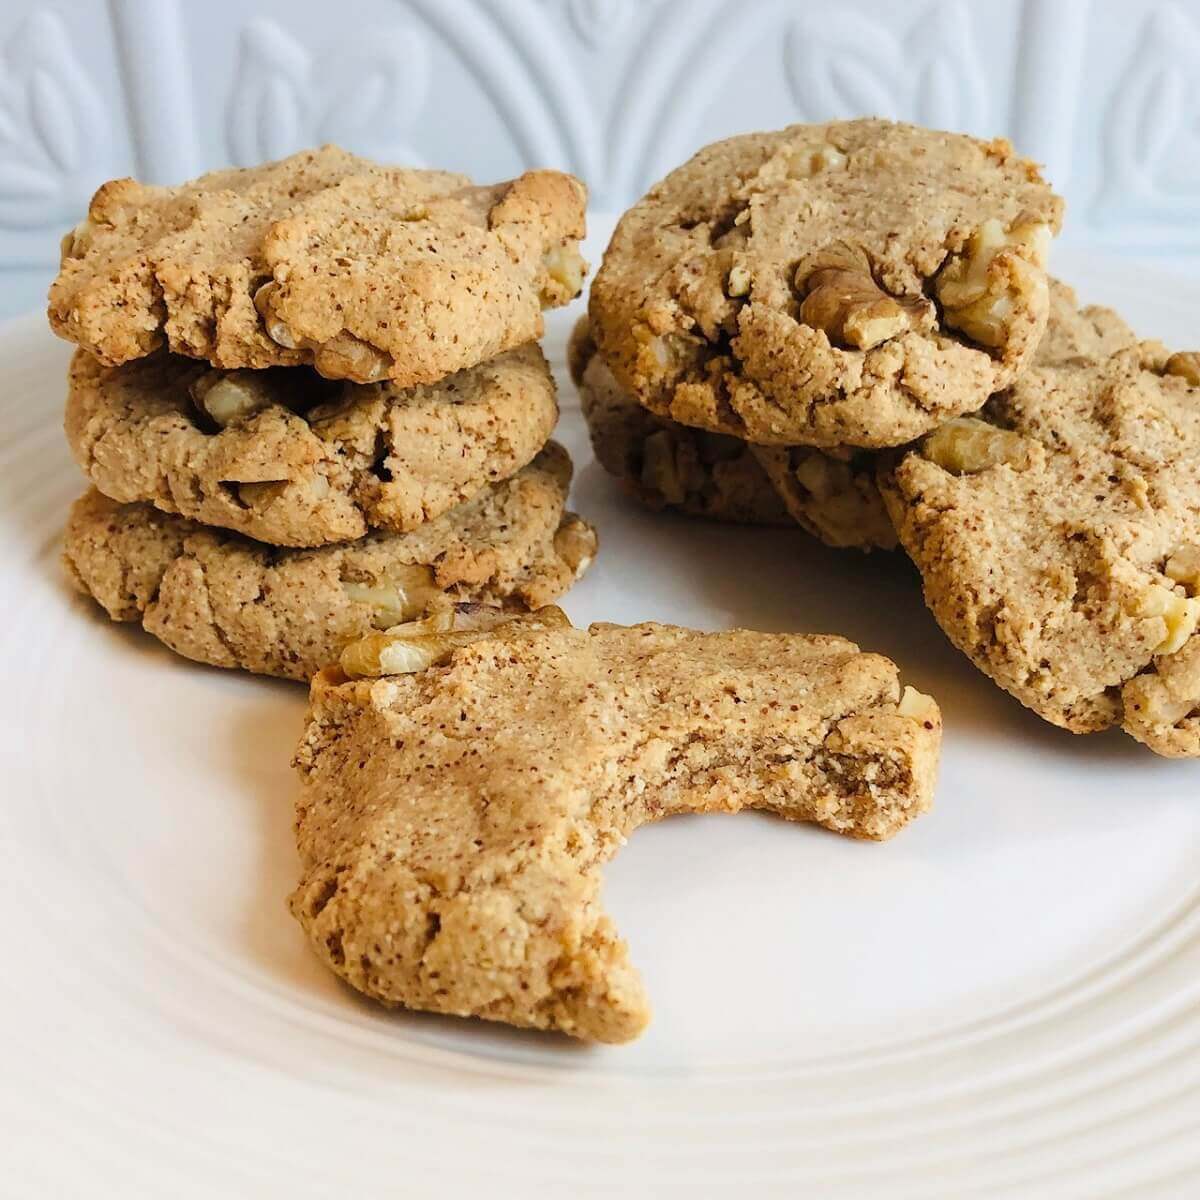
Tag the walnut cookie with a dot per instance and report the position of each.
(856, 283)
(288, 458)
(1058, 536)
(665, 464)
(220, 598)
(454, 818)
(366, 272)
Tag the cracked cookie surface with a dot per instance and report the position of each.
(220, 598)
(1058, 536)
(290, 459)
(665, 464)
(855, 283)
(453, 822)
(365, 271)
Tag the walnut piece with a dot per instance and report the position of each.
(981, 288)
(407, 649)
(1179, 614)
(575, 543)
(844, 301)
(75, 242)
(849, 510)
(1184, 567)
(565, 268)
(738, 281)
(405, 591)
(807, 163)
(919, 707)
(225, 397)
(261, 494)
(342, 356)
(967, 445)
(660, 469)
(1186, 365)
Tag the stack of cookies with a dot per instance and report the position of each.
(311, 403)
(852, 324)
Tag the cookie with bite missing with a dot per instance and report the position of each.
(459, 801)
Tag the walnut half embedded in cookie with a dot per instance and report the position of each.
(222, 599)
(288, 458)
(365, 271)
(850, 284)
(665, 464)
(1058, 535)
(454, 819)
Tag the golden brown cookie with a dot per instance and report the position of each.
(288, 458)
(454, 820)
(665, 464)
(1058, 536)
(365, 271)
(220, 598)
(856, 283)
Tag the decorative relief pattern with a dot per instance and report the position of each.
(841, 64)
(1153, 130)
(616, 90)
(284, 98)
(54, 141)
(600, 23)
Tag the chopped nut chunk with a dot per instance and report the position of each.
(575, 543)
(967, 445)
(1180, 615)
(403, 593)
(980, 287)
(1186, 365)
(228, 397)
(660, 470)
(566, 268)
(919, 707)
(739, 281)
(407, 649)
(1184, 567)
(851, 309)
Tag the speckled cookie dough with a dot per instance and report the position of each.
(1058, 535)
(665, 464)
(220, 598)
(454, 821)
(365, 271)
(288, 458)
(856, 283)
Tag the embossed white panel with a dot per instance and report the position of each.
(619, 91)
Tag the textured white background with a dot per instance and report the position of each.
(1102, 91)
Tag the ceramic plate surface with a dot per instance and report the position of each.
(1004, 1000)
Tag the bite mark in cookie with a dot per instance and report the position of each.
(455, 817)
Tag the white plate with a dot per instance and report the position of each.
(1005, 1000)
